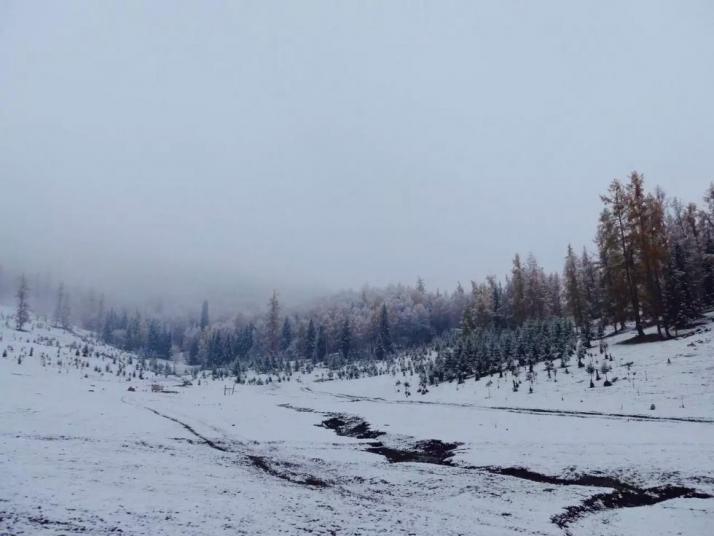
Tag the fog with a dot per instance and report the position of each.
(228, 148)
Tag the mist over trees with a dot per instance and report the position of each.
(652, 265)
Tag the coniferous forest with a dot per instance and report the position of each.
(651, 264)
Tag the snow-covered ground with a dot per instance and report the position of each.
(79, 452)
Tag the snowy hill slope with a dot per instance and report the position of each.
(675, 375)
(79, 452)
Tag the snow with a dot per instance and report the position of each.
(84, 454)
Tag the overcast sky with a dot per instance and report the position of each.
(321, 145)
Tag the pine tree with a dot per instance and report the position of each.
(681, 307)
(573, 291)
(645, 215)
(286, 335)
(459, 303)
(590, 284)
(321, 345)
(534, 292)
(420, 287)
(518, 287)
(272, 325)
(384, 336)
(614, 301)
(309, 343)
(57, 316)
(22, 314)
(620, 221)
(346, 338)
(554, 295)
(204, 315)
(468, 324)
(66, 313)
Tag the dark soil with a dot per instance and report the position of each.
(597, 481)
(429, 451)
(433, 451)
(350, 426)
(625, 498)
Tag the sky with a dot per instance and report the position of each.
(188, 148)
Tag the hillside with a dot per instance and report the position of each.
(81, 453)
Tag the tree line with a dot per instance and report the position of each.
(652, 264)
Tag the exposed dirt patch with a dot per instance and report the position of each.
(598, 481)
(429, 451)
(433, 451)
(624, 495)
(625, 498)
(350, 426)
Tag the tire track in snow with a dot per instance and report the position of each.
(263, 463)
(203, 438)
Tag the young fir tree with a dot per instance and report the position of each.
(22, 314)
